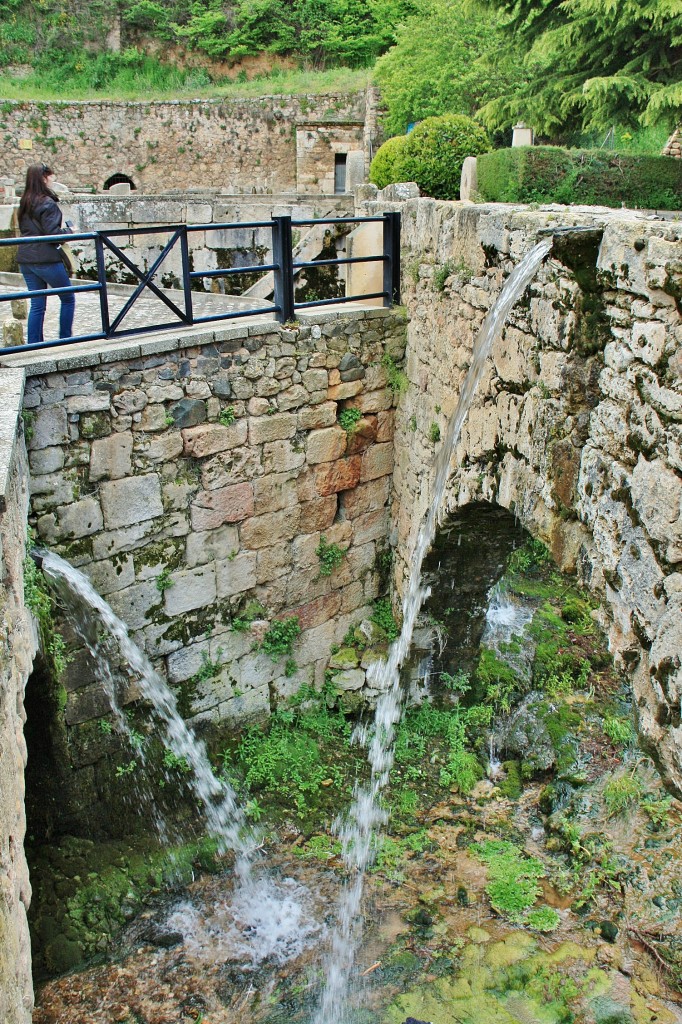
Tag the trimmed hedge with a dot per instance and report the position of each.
(589, 177)
(435, 150)
(385, 167)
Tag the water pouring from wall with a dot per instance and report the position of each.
(357, 831)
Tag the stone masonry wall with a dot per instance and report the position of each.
(191, 479)
(577, 425)
(17, 648)
(233, 144)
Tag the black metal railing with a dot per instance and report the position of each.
(283, 268)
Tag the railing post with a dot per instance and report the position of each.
(102, 280)
(282, 257)
(392, 259)
(186, 279)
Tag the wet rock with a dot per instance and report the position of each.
(525, 735)
(608, 930)
(165, 938)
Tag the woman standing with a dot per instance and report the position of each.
(41, 262)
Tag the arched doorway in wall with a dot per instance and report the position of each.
(118, 179)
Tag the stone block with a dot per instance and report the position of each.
(315, 380)
(99, 401)
(211, 509)
(349, 389)
(190, 589)
(374, 401)
(81, 519)
(262, 531)
(109, 576)
(50, 428)
(317, 416)
(164, 448)
(274, 492)
(322, 609)
(128, 402)
(115, 541)
(292, 398)
(186, 662)
(152, 419)
(325, 445)
(377, 462)
(318, 514)
(342, 475)
(273, 562)
(349, 679)
(111, 457)
(648, 341)
(134, 604)
(256, 670)
(212, 438)
(282, 457)
(271, 428)
(46, 460)
(237, 466)
(211, 545)
(235, 575)
(189, 412)
(363, 435)
(385, 425)
(131, 500)
(371, 526)
(366, 497)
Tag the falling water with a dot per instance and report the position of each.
(365, 814)
(223, 814)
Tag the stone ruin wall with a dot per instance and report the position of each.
(577, 427)
(17, 648)
(134, 476)
(274, 143)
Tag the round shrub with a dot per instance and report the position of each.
(435, 150)
(385, 167)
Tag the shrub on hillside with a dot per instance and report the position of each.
(435, 150)
(385, 167)
(548, 174)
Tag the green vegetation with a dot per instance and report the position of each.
(434, 433)
(382, 616)
(433, 154)
(163, 580)
(386, 165)
(621, 794)
(330, 556)
(349, 419)
(280, 637)
(513, 887)
(252, 611)
(227, 416)
(544, 919)
(592, 177)
(395, 377)
(39, 600)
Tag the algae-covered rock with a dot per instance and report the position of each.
(346, 657)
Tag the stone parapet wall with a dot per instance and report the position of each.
(17, 648)
(232, 143)
(577, 425)
(191, 479)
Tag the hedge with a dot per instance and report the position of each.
(549, 174)
(435, 150)
(385, 167)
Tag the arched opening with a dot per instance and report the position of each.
(118, 179)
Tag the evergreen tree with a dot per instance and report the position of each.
(592, 63)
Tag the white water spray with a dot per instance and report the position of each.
(365, 814)
(223, 814)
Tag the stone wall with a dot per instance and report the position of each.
(235, 144)
(190, 480)
(577, 426)
(17, 647)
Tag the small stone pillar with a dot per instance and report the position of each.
(469, 180)
(522, 136)
(19, 308)
(12, 333)
(121, 188)
(355, 169)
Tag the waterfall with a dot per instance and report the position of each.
(365, 814)
(223, 814)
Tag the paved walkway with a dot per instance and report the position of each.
(147, 310)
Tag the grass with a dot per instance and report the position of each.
(116, 77)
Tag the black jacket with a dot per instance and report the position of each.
(46, 219)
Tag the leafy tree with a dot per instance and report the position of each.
(446, 60)
(592, 63)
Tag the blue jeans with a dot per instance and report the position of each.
(47, 275)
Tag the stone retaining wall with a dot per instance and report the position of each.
(17, 648)
(577, 425)
(191, 479)
(280, 143)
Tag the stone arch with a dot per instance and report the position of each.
(118, 179)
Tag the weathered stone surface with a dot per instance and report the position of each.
(271, 528)
(331, 478)
(211, 438)
(192, 588)
(131, 500)
(349, 679)
(49, 428)
(188, 412)
(235, 575)
(317, 416)
(81, 519)
(377, 461)
(210, 509)
(211, 545)
(325, 445)
(271, 428)
(111, 457)
(274, 492)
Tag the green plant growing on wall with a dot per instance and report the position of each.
(618, 730)
(395, 377)
(227, 416)
(513, 887)
(434, 433)
(621, 794)
(163, 580)
(253, 610)
(382, 616)
(281, 637)
(441, 275)
(330, 556)
(349, 419)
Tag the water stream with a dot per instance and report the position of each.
(365, 815)
(223, 814)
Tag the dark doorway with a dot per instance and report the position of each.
(339, 173)
(119, 179)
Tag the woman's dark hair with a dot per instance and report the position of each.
(36, 188)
